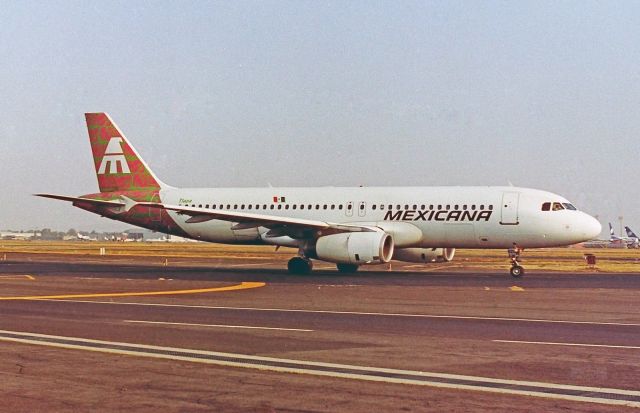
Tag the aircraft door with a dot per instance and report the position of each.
(362, 208)
(349, 209)
(509, 208)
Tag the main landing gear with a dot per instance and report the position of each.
(516, 270)
(300, 265)
(347, 268)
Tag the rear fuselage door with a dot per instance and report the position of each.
(509, 208)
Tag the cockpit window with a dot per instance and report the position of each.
(557, 206)
(546, 206)
(569, 206)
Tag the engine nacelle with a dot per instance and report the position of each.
(424, 255)
(356, 248)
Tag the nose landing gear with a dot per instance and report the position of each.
(516, 270)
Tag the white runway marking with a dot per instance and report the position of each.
(545, 343)
(216, 325)
(287, 310)
(609, 396)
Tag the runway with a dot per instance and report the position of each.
(235, 338)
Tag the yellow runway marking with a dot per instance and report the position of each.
(17, 277)
(243, 286)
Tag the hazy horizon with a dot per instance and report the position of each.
(538, 94)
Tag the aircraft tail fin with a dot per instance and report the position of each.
(613, 234)
(630, 233)
(118, 165)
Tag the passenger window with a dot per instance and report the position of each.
(557, 206)
(455, 207)
(374, 206)
(481, 207)
(406, 207)
(279, 206)
(415, 206)
(213, 207)
(228, 206)
(324, 206)
(473, 207)
(361, 207)
(490, 207)
(431, 207)
(423, 207)
(340, 207)
(249, 206)
(448, 206)
(301, 206)
(235, 206)
(546, 206)
(390, 207)
(242, 206)
(271, 207)
(464, 207)
(349, 207)
(286, 206)
(439, 207)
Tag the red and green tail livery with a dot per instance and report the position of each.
(118, 165)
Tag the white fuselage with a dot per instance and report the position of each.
(428, 217)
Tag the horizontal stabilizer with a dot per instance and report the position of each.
(98, 202)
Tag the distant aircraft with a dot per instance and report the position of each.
(9, 235)
(346, 226)
(85, 237)
(628, 241)
(633, 237)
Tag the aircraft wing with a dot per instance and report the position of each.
(247, 220)
(97, 202)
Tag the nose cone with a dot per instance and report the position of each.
(591, 227)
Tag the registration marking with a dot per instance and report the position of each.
(242, 286)
(601, 395)
(217, 326)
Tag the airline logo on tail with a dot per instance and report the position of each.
(114, 156)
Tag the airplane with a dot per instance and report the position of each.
(623, 242)
(85, 237)
(632, 237)
(349, 227)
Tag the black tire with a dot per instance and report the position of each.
(347, 268)
(299, 265)
(517, 271)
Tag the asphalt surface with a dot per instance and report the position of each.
(111, 336)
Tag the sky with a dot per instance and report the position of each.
(323, 93)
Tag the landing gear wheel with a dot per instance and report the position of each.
(514, 256)
(347, 268)
(517, 271)
(299, 265)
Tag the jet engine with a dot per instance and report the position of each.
(356, 248)
(424, 255)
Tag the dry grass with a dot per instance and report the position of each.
(551, 259)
